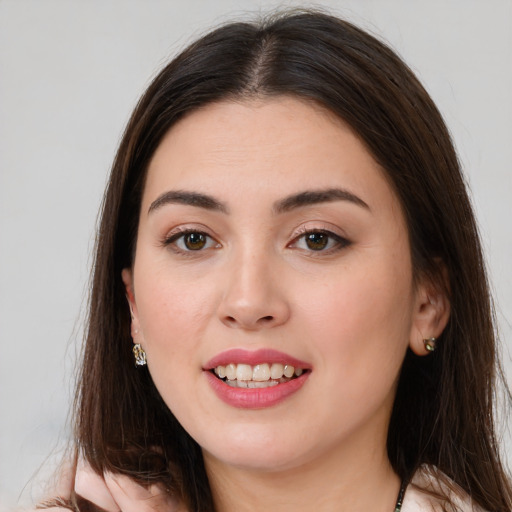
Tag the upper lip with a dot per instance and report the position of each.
(254, 357)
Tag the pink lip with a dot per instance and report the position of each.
(241, 356)
(255, 398)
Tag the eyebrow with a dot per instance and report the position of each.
(188, 198)
(311, 197)
(299, 200)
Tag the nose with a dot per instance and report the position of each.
(254, 296)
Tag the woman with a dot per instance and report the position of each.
(288, 246)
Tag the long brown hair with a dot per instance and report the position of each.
(443, 412)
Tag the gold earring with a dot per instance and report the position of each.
(140, 355)
(430, 344)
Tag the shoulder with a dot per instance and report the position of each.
(427, 493)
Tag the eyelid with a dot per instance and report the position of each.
(318, 227)
(187, 228)
(341, 240)
(170, 239)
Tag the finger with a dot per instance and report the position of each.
(51, 509)
(132, 497)
(91, 486)
(66, 480)
(60, 488)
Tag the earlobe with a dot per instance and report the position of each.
(431, 315)
(138, 351)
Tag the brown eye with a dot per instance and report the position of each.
(320, 241)
(194, 241)
(189, 241)
(316, 241)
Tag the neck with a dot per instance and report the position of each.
(348, 480)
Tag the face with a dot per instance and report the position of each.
(272, 251)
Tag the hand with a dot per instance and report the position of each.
(119, 493)
(108, 493)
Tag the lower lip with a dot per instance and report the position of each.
(255, 398)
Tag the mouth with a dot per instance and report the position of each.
(260, 376)
(255, 379)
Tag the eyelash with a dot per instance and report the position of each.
(338, 241)
(172, 240)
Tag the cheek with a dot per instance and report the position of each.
(174, 315)
(173, 325)
(361, 319)
(361, 336)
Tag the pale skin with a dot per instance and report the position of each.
(349, 308)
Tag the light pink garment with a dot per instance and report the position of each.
(117, 493)
(416, 500)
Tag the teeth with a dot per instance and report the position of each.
(267, 384)
(230, 371)
(243, 372)
(253, 384)
(276, 371)
(288, 371)
(245, 375)
(261, 372)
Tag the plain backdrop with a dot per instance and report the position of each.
(70, 74)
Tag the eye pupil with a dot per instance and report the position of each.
(195, 241)
(317, 241)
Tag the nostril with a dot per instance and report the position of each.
(250, 320)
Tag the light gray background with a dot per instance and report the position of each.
(71, 72)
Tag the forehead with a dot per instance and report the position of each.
(263, 145)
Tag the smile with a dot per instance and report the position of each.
(259, 379)
(258, 376)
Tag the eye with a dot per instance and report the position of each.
(319, 240)
(190, 240)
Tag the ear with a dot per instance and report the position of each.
(127, 276)
(431, 313)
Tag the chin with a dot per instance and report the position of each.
(253, 449)
(252, 460)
